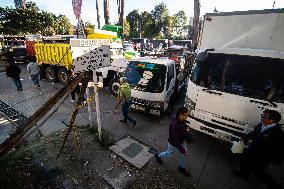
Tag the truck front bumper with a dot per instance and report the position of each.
(146, 109)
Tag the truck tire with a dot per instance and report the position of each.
(50, 74)
(63, 76)
(114, 87)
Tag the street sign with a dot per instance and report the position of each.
(90, 54)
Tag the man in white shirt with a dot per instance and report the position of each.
(34, 72)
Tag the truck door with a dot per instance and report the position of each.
(171, 75)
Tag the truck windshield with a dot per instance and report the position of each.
(254, 77)
(146, 76)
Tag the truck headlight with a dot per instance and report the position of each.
(157, 104)
(190, 105)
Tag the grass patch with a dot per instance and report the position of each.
(105, 136)
(18, 171)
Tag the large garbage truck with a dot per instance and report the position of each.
(53, 55)
(238, 73)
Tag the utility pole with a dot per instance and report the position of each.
(195, 24)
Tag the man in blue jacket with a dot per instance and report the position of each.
(177, 140)
(266, 147)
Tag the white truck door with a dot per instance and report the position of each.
(171, 75)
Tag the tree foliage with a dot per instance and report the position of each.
(180, 27)
(133, 18)
(126, 28)
(158, 23)
(31, 21)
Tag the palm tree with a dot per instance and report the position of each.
(121, 12)
(98, 14)
(106, 11)
(195, 23)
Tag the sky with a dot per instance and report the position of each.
(88, 11)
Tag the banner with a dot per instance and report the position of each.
(77, 4)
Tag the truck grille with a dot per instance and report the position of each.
(140, 101)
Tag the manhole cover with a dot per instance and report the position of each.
(132, 150)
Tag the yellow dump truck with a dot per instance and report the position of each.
(55, 58)
(55, 61)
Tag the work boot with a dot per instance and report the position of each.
(184, 172)
(123, 121)
(158, 159)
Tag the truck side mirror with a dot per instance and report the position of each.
(202, 56)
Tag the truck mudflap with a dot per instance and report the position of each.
(209, 130)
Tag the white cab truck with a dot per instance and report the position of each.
(154, 82)
(238, 73)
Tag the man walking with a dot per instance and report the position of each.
(177, 140)
(266, 148)
(13, 71)
(124, 99)
(34, 72)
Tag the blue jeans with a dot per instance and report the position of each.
(125, 111)
(171, 149)
(17, 82)
(35, 79)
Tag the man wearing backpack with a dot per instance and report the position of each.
(13, 71)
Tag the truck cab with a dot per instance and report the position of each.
(153, 83)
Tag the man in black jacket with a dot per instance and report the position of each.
(13, 71)
(266, 148)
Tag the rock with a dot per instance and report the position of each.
(67, 184)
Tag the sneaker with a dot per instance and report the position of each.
(38, 86)
(184, 172)
(158, 159)
(72, 100)
(122, 121)
(135, 125)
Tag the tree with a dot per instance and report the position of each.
(195, 24)
(106, 11)
(32, 20)
(126, 28)
(160, 16)
(147, 25)
(133, 19)
(180, 27)
(120, 11)
(98, 14)
(168, 27)
(89, 27)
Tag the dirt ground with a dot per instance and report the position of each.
(35, 165)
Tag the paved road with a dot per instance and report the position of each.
(209, 160)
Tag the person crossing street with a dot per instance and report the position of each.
(124, 100)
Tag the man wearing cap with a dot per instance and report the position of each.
(124, 99)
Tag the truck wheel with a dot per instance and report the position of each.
(63, 76)
(50, 74)
(114, 87)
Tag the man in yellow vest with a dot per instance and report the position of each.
(124, 99)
